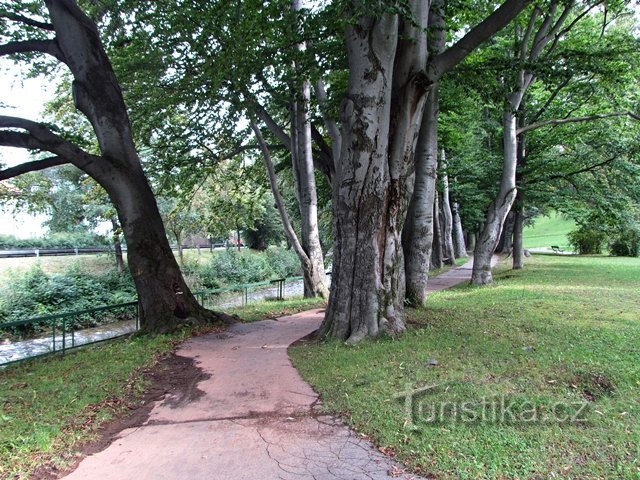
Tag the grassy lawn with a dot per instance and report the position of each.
(547, 231)
(503, 369)
(48, 407)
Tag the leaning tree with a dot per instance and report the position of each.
(71, 38)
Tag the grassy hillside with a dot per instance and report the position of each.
(547, 231)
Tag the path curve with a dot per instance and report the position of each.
(254, 417)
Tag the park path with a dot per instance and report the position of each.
(252, 417)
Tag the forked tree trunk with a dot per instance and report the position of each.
(370, 190)
(459, 246)
(449, 256)
(164, 298)
(381, 117)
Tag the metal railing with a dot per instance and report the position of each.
(63, 333)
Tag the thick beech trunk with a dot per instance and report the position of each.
(459, 245)
(449, 256)
(418, 232)
(370, 190)
(164, 298)
(388, 83)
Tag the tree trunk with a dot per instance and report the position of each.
(449, 256)
(418, 232)
(164, 299)
(471, 241)
(506, 238)
(501, 204)
(518, 227)
(117, 244)
(370, 192)
(459, 245)
(436, 247)
(315, 280)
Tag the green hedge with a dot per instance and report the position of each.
(54, 240)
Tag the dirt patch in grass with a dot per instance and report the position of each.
(173, 375)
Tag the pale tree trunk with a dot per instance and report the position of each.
(459, 246)
(518, 224)
(117, 244)
(381, 117)
(499, 207)
(164, 299)
(418, 231)
(447, 217)
(369, 201)
(436, 247)
(530, 47)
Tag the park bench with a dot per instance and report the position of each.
(556, 249)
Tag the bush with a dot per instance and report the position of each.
(55, 240)
(231, 267)
(34, 293)
(587, 241)
(625, 243)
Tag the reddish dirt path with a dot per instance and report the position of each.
(248, 415)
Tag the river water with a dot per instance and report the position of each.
(18, 350)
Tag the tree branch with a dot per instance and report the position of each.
(31, 166)
(50, 47)
(551, 98)
(288, 228)
(27, 21)
(478, 34)
(560, 121)
(40, 137)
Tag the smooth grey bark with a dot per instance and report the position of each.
(471, 240)
(449, 256)
(418, 232)
(381, 117)
(164, 299)
(530, 47)
(436, 247)
(459, 245)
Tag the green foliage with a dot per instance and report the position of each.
(587, 240)
(625, 243)
(55, 240)
(231, 267)
(267, 230)
(34, 292)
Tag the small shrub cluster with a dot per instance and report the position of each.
(55, 240)
(231, 267)
(625, 243)
(587, 241)
(34, 293)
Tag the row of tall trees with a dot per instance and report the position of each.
(345, 99)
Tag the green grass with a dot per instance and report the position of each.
(565, 329)
(547, 231)
(50, 406)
